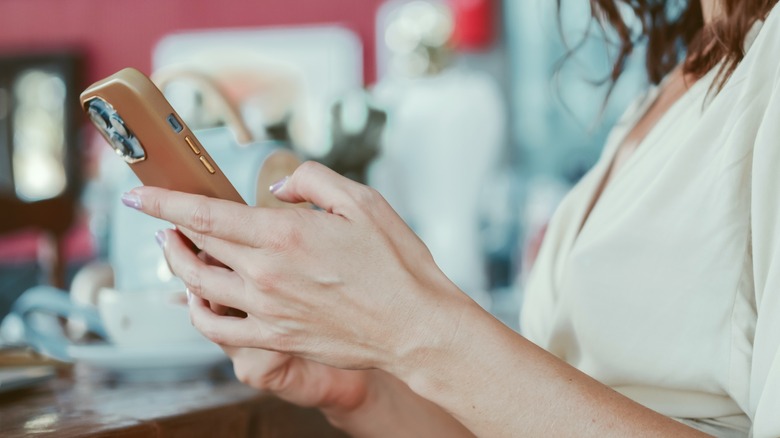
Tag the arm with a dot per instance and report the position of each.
(499, 384)
(353, 288)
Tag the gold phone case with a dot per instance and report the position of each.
(142, 127)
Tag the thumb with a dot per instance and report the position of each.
(314, 183)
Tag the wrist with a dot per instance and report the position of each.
(443, 336)
(460, 351)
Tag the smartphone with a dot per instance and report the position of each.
(142, 127)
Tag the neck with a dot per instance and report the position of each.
(710, 9)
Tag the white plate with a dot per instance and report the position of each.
(15, 378)
(157, 361)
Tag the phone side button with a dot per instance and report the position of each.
(192, 145)
(206, 164)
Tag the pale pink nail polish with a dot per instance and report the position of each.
(161, 238)
(275, 187)
(131, 200)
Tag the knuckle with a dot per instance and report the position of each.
(191, 277)
(308, 174)
(285, 239)
(365, 198)
(201, 220)
(268, 283)
(373, 196)
(197, 239)
(243, 373)
(307, 169)
(155, 206)
(255, 273)
(265, 281)
(281, 341)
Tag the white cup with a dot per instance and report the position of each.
(147, 318)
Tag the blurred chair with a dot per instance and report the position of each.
(40, 172)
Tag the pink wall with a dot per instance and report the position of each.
(120, 33)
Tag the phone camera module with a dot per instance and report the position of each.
(114, 129)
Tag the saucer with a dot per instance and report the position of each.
(12, 379)
(184, 360)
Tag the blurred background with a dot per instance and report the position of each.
(461, 112)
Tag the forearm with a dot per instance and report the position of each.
(391, 409)
(499, 384)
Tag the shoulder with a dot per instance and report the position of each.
(762, 45)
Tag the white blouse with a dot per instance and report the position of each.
(670, 293)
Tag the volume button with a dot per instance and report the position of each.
(206, 164)
(192, 145)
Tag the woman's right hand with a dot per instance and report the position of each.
(363, 403)
(300, 381)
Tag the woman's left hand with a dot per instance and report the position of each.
(349, 286)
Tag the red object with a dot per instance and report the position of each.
(23, 246)
(475, 23)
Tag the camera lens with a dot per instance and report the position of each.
(120, 144)
(98, 113)
(118, 125)
(128, 148)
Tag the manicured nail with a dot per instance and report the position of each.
(189, 296)
(275, 187)
(131, 200)
(161, 238)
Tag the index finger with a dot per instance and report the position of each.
(218, 218)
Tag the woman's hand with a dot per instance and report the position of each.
(299, 381)
(365, 403)
(350, 286)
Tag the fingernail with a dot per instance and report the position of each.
(189, 296)
(131, 200)
(275, 187)
(161, 238)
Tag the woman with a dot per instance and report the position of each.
(655, 297)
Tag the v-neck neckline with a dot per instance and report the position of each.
(598, 189)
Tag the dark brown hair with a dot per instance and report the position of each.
(673, 29)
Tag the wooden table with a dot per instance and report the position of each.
(86, 403)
